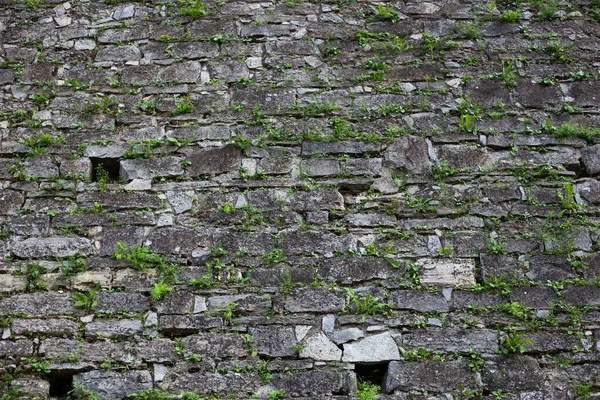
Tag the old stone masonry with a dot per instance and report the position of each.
(276, 199)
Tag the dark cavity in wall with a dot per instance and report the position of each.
(372, 373)
(105, 169)
(60, 384)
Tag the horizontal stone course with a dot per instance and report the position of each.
(304, 196)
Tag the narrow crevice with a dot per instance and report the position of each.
(373, 373)
(105, 169)
(60, 384)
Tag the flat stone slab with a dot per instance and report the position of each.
(428, 375)
(447, 273)
(512, 374)
(52, 247)
(376, 348)
(453, 339)
(112, 385)
(319, 347)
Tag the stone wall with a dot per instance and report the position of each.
(293, 199)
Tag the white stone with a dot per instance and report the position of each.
(6, 333)
(319, 347)
(455, 83)
(199, 304)
(328, 323)
(447, 272)
(124, 11)
(63, 21)
(159, 372)
(447, 293)
(254, 62)
(151, 319)
(139, 184)
(87, 319)
(165, 220)
(301, 331)
(181, 201)
(347, 335)
(250, 165)
(376, 348)
(313, 61)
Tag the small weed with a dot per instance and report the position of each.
(183, 105)
(510, 16)
(367, 305)
(87, 300)
(513, 343)
(192, 8)
(274, 257)
(160, 290)
(139, 257)
(367, 390)
(496, 246)
(583, 390)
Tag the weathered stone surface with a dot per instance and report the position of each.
(550, 342)
(450, 340)
(317, 199)
(409, 153)
(207, 382)
(449, 273)
(318, 167)
(119, 53)
(582, 295)
(40, 167)
(374, 348)
(216, 345)
(50, 326)
(38, 304)
(55, 349)
(10, 201)
(120, 302)
(175, 303)
(274, 341)
(32, 386)
(429, 375)
(549, 268)
(17, 348)
(419, 301)
(119, 201)
(166, 167)
(535, 95)
(347, 270)
(52, 247)
(590, 156)
(214, 161)
(131, 236)
(500, 266)
(511, 374)
(533, 297)
(312, 242)
(114, 385)
(177, 240)
(463, 156)
(113, 329)
(347, 335)
(187, 324)
(314, 382)
(313, 300)
(320, 348)
(30, 225)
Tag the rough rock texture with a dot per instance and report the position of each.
(284, 199)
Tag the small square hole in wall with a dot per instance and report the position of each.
(105, 169)
(372, 373)
(60, 385)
